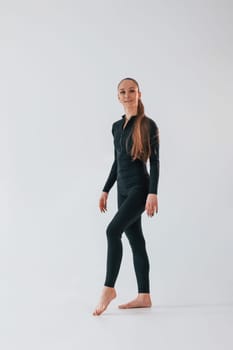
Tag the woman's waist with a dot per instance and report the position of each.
(132, 178)
(124, 185)
(128, 169)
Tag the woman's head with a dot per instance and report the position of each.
(129, 93)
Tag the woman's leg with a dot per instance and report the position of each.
(140, 258)
(141, 265)
(130, 208)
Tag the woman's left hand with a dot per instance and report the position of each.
(151, 204)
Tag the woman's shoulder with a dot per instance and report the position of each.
(151, 122)
(117, 123)
(153, 130)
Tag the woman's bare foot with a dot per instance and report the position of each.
(142, 300)
(108, 294)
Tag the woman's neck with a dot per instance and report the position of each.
(129, 112)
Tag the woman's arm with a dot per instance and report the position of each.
(113, 172)
(112, 176)
(152, 201)
(154, 158)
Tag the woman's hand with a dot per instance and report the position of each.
(151, 204)
(103, 201)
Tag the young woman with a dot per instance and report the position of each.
(136, 139)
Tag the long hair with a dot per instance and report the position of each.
(140, 134)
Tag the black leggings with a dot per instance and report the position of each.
(128, 220)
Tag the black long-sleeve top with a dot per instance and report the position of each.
(130, 172)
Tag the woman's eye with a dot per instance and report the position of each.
(123, 92)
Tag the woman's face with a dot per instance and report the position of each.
(128, 93)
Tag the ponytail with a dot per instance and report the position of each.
(140, 135)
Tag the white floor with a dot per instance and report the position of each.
(66, 322)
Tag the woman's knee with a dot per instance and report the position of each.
(112, 231)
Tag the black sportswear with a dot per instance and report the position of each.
(133, 185)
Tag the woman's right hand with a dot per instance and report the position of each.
(103, 201)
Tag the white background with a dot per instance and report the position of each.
(61, 62)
